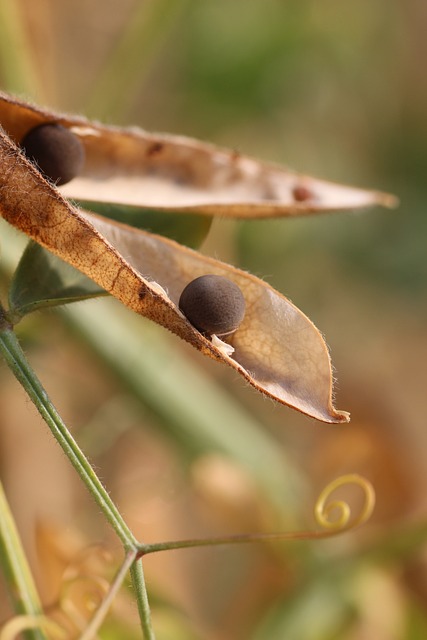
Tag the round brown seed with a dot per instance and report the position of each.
(213, 304)
(301, 193)
(58, 153)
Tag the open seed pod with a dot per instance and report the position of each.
(141, 169)
(276, 347)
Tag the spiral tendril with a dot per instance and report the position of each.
(97, 586)
(82, 592)
(324, 508)
(80, 596)
(15, 626)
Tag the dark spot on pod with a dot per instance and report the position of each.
(213, 304)
(142, 293)
(58, 153)
(301, 193)
(154, 149)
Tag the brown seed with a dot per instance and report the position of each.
(301, 193)
(213, 304)
(58, 153)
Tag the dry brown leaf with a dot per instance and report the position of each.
(276, 348)
(133, 167)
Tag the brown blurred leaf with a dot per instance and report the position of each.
(133, 167)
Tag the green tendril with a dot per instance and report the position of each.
(324, 509)
(18, 624)
(322, 512)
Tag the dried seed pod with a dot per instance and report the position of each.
(58, 153)
(213, 304)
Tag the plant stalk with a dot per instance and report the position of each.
(16, 571)
(15, 358)
(244, 538)
(95, 623)
(138, 582)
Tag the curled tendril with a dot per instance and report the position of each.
(323, 511)
(83, 603)
(324, 508)
(18, 624)
(80, 597)
(98, 586)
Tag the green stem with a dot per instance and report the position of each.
(16, 360)
(16, 571)
(138, 581)
(18, 363)
(244, 538)
(93, 626)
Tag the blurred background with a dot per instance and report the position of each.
(186, 449)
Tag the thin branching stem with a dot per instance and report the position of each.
(101, 612)
(15, 358)
(138, 581)
(244, 538)
(17, 361)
